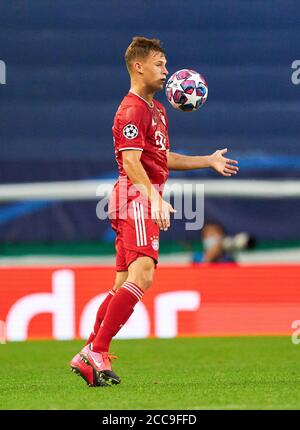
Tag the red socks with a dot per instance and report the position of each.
(100, 315)
(118, 312)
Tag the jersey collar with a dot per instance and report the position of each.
(152, 106)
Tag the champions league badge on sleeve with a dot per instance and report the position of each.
(130, 131)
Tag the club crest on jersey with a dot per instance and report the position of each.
(155, 243)
(130, 131)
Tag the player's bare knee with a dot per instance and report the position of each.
(147, 279)
(147, 274)
(141, 272)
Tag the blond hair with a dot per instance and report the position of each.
(140, 48)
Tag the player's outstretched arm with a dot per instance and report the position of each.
(215, 161)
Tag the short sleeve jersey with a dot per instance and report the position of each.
(140, 126)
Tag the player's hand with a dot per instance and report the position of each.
(160, 213)
(223, 165)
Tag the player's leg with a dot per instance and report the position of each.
(121, 276)
(141, 272)
(138, 247)
(121, 306)
(105, 359)
(137, 250)
(119, 310)
(78, 364)
(140, 276)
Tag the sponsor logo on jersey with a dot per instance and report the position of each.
(130, 131)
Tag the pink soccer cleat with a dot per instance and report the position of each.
(87, 372)
(101, 363)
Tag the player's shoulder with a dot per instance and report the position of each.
(132, 101)
(132, 108)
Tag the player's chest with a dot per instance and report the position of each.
(157, 132)
(158, 119)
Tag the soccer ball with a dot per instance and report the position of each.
(186, 90)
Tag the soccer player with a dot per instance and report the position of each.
(137, 209)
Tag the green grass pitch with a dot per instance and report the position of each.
(183, 373)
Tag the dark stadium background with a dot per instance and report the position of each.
(66, 76)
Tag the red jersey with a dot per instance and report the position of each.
(138, 125)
